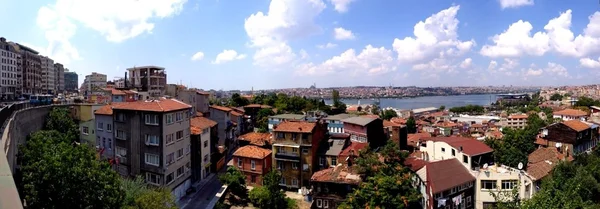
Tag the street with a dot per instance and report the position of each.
(204, 195)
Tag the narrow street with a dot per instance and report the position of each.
(204, 195)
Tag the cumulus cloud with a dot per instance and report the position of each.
(197, 56)
(517, 40)
(492, 66)
(590, 63)
(435, 41)
(533, 72)
(286, 20)
(515, 3)
(557, 69)
(341, 6)
(370, 61)
(466, 63)
(227, 56)
(327, 46)
(340, 33)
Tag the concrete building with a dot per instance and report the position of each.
(48, 75)
(10, 68)
(499, 179)
(570, 114)
(153, 140)
(151, 79)
(120, 83)
(365, 130)
(254, 162)
(222, 115)
(516, 121)
(201, 148)
(84, 113)
(59, 72)
(276, 119)
(335, 124)
(104, 131)
(71, 81)
(94, 83)
(31, 70)
(330, 149)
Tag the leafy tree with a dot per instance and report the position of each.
(587, 102)
(337, 102)
(388, 114)
(442, 108)
(238, 101)
(411, 125)
(470, 109)
(133, 188)
(270, 196)
(516, 145)
(236, 182)
(155, 199)
(59, 119)
(58, 174)
(262, 118)
(556, 97)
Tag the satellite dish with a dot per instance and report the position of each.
(520, 166)
(485, 166)
(558, 145)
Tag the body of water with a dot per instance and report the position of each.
(428, 101)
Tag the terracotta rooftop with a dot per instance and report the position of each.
(354, 147)
(398, 120)
(414, 163)
(252, 152)
(236, 113)
(413, 139)
(542, 161)
(221, 108)
(158, 105)
(576, 125)
(387, 123)
(199, 123)
(446, 174)
(255, 138)
(518, 116)
(477, 125)
(469, 146)
(202, 93)
(341, 174)
(494, 134)
(104, 110)
(571, 112)
(295, 127)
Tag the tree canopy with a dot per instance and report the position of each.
(556, 97)
(235, 181)
(517, 144)
(238, 101)
(411, 125)
(587, 102)
(470, 109)
(270, 196)
(388, 114)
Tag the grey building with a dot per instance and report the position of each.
(104, 132)
(71, 81)
(153, 139)
(59, 79)
(222, 115)
(31, 70)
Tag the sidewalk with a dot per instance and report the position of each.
(198, 185)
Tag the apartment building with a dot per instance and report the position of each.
(515, 121)
(365, 130)
(330, 149)
(276, 119)
(335, 124)
(59, 80)
(10, 59)
(295, 145)
(570, 114)
(255, 162)
(31, 70)
(570, 137)
(152, 139)
(226, 128)
(94, 84)
(201, 136)
(104, 131)
(151, 79)
(71, 81)
(332, 185)
(48, 75)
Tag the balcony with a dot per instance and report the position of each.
(287, 156)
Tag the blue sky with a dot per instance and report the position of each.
(269, 44)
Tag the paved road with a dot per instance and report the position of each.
(204, 195)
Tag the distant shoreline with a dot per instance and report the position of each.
(411, 97)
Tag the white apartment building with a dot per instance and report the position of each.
(120, 83)
(48, 75)
(9, 69)
(515, 121)
(500, 179)
(570, 114)
(151, 79)
(94, 83)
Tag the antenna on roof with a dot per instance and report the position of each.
(520, 166)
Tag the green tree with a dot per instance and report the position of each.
(133, 188)
(470, 109)
(238, 101)
(388, 114)
(442, 108)
(262, 119)
(411, 125)
(556, 97)
(337, 102)
(59, 119)
(235, 181)
(58, 174)
(155, 199)
(587, 102)
(270, 196)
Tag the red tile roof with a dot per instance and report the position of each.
(414, 163)
(387, 123)
(159, 105)
(221, 108)
(252, 152)
(398, 120)
(571, 112)
(519, 116)
(338, 174)
(446, 174)
(413, 139)
(469, 146)
(542, 161)
(295, 127)
(104, 110)
(235, 113)
(199, 123)
(354, 147)
(117, 92)
(255, 138)
(576, 125)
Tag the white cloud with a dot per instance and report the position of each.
(228, 55)
(286, 20)
(327, 46)
(515, 3)
(557, 69)
(341, 6)
(117, 20)
(492, 66)
(340, 33)
(197, 56)
(517, 40)
(589, 63)
(533, 72)
(370, 61)
(466, 63)
(435, 41)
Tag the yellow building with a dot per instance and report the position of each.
(84, 115)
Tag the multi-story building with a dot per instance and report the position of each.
(570, 137)
(201, 135)
(120, 83)
(254, 162)
(295, 145)
(59, 72)
(31, 70)
(10, 59)
(48, 75)
(94, 83)
(104, 131)
(276, 119)
(570, 114)
(71, 81)
(84, 114)
(365, 130)
(329, 150)
(151, 79)
(152, 140)
(222, 115)
(332, 185)
(516, 121)
(335, 124)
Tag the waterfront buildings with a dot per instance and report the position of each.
(10, 68)
(153, 139)
(150, 79)
(48, 75)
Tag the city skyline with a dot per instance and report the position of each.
(370, 43)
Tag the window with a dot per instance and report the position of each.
(152, 159)
(295, 166)
(179, 153)
(488, 184)
(170, 178)
(305, 167)
(333, 161)
(294, 150)
(170, 158)
(206, 158)
(465, 159)
(319, 203)
(120, 151)
(178, 116)
(187, 167)
(109, 143)
(205, 131)
(280, 135)
(205, 144)
(169, 118)
(109, 127)
(180, 171)
(85, 130)
(187, 149)
(240, 162)
(253, 178)
(294, 136)
(305, 151)
(443, 149)
(468, 200)
(305, 136)
(120, 134)
(100, 126)
(325, 203)
(252, 164)
(280, 150)
(151, 140)
(152, 179)
(322, 161)
(282, 181)
(170, 139)
(453, 152)
(179, 135)
(280, 165)
(151, 119)
(509, 184)
(295, 182)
